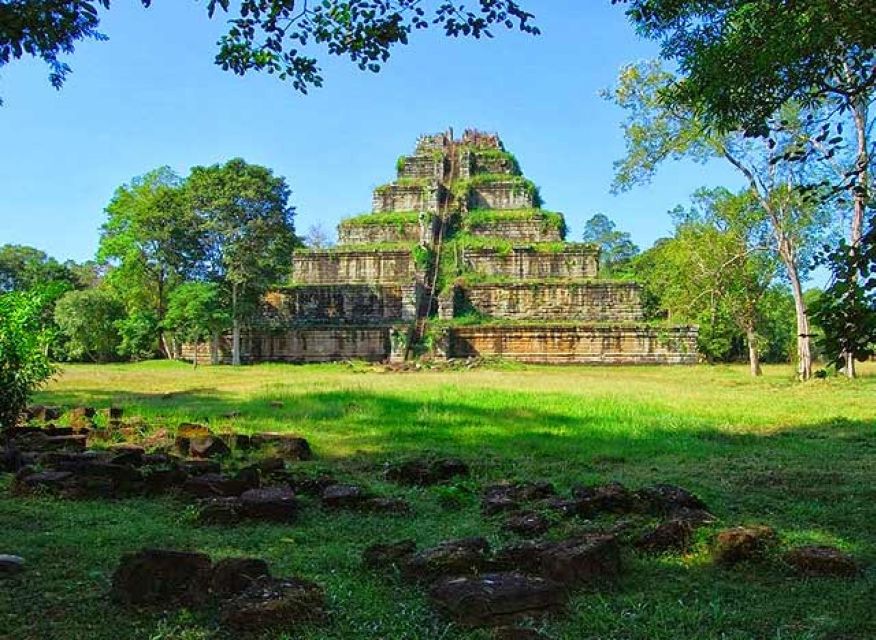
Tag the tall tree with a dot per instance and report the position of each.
(274, 36)
(197, 313)
(741, 61)
(721, 259)
(656, 131)
(153, 241)
(244, 213)
(616, 247)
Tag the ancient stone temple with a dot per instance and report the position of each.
(458, 259)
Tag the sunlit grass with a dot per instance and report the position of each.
(800, 457)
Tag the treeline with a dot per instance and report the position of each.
(808, 167)
(179, 260)
(705, 274)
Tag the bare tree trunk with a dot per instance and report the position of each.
(860, 197)
(753, 357)
(166, 348)
(849, 369)
(804, 352)
(214, 348)
(195, 357)
(235, 331)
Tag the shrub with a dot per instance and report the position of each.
(24, 341)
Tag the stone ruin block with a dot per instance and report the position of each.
(550, 301)
(528, 263)
(500, 195)
(523, 231)
(422, 167)
(368, 232)
(406, 197)
(309, 344)
(353, 266)
(576, 344)
(342, 303)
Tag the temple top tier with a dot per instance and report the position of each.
(470, 138)
(474, 171)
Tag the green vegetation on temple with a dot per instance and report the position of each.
(486, 218)
(384, 218)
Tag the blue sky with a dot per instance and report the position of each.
(152, 96)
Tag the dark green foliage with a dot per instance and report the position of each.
(197, 312)
(274, 36)
(23, 267)
(741, 60)
(616, 247)
(153, 241)
(139, 332)
(846, 311)
(88, 320)
(24, 341)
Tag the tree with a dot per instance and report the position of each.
(248, 229)
(24, 365)
(846, 311)
(316, 237)
(23, 268)
(742, 60)
(88, 320)
(656, 131)
(197, 313)
(274, 36)
(153, 242)
(716, 269)
(616, 247)
(139, 333)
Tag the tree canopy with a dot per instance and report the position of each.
(281, 37)
(741, 60)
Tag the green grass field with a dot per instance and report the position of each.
(799, 457)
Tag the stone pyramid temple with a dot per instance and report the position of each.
(457, 259)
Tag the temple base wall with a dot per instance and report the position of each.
(311, 344)
(575, 344)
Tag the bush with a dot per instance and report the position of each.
(24, 365)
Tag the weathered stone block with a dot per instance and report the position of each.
(527, 263)
(576, 344)
(354, 267)
(429, 166)
(358, 304)
(523, 231)
(588, 301)
(500, 195)
(407, 197)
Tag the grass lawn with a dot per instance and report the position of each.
(798, 457)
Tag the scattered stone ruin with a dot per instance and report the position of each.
(457, 260)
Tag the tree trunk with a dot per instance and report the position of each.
(804, 353)
(214, 349)
(860, 197)
(753, 357)
(235, 331)
(166, 348)
(849, 369)
(195, 357)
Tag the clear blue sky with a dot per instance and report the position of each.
(152, 96)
